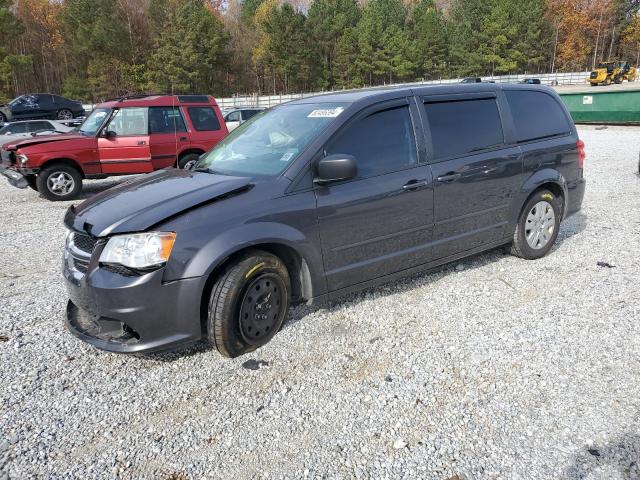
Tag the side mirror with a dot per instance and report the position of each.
(336, 168)
(109, 134)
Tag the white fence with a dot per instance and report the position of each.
(573, 78)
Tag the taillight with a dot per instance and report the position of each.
(581, 154)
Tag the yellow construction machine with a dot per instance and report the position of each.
(613, 72)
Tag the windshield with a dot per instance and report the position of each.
(94, 121)
(271, 140)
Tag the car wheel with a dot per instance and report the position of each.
(59, 182)
(32, 182)
(607, 82)
(3, 118)
(617, 80)
(248, 304)
(64, 114)
(188, 161)
(538, 226)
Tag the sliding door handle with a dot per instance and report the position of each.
(449, 177)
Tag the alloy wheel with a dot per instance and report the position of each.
(60, 183)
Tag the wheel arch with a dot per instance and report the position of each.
(189, 151)
(63, 161)
(543, 179)
(302, 288)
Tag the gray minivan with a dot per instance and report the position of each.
(315, 199)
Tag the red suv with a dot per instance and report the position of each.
(120, 137)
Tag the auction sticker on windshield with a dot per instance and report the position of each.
(326, 112)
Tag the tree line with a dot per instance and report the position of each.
(95, 49)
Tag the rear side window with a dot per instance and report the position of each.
(536, 115)
(247, 114)
(382, 143)
(39, 126)
(233, 117)
(463, 127)
(166, 120)
(204, 119)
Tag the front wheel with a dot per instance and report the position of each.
(59, 182)
(538, 226)
(32, 182)
(248, 304)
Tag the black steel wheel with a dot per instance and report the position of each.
(248, 304)
(261, 308)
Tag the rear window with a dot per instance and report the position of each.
(204, 119)
(463, 127)
(536, 115)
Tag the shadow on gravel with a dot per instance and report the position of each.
(91, 188)
(573, 225)
(622, 455)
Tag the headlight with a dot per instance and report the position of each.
(139, 250)
(22, 158)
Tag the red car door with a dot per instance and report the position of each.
(206, 127)
(167, 136)
(124, 143)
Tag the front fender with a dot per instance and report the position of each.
(531, 184)
(217, 250)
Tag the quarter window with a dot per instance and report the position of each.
(129, 121)
(536, 115)
(166, 120)
(382, 143)
(204, 119)
(462, 127)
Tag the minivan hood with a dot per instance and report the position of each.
(146, 200)
(30, 141)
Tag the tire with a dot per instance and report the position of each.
(256, 285)
(536, 218)
(617, 80)
(607, 82)
(3, 118)
(188, 161)
(64, 114)
(53, 182)
(32, 181)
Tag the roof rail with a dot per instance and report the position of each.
(134, 96)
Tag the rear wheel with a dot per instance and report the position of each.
(538, 226)
(607, 82)
(64, 114)
(59, 182)
(617, 80)
(248, 304)
(188, 161)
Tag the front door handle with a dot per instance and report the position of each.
(183, 139)
(142, 142)
(415, 184)
(449, 177)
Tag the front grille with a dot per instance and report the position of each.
(84, 242)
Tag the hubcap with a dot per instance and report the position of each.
(189, 165)
(261, 308)
(540, 224)
(60, 183)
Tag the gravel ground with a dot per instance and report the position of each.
(494, 367)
